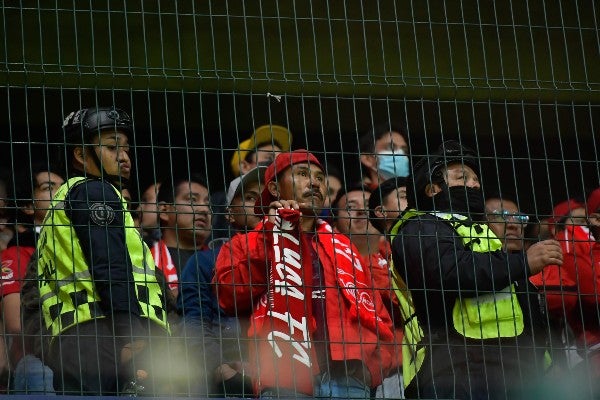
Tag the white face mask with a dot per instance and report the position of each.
(392, 164)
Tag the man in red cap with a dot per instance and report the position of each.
(559, 282)
(568, 212)
(316, 323)
(572, 289)
(588, 283)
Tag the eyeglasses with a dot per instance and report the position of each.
(507, 216)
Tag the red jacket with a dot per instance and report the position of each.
(380, 273)
(241, 280)
(573, 289)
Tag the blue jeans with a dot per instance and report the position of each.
(391, 388)
(325, 387)
(346, 387)
(32, 376)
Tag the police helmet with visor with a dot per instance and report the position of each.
(80, 126)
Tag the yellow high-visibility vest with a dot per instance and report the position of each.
(66, 287)
(487, 316)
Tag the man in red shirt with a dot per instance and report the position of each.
(33, 194)
(351, 216)
(572, 289)
(589, 286)
(316, 322)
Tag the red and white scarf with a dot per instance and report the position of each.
(164, 262)
(283, 317)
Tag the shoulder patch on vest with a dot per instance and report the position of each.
(102, 214)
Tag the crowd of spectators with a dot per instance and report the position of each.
(295, 282)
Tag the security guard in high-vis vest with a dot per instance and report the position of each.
(100, 298)
(481, 332)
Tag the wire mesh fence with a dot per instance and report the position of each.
(445, 141)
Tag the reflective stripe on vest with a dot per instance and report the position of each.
(67, 290)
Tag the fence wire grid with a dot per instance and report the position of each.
(391, 199)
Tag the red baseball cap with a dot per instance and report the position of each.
(593, 202)
(564, 209)
(280, 164)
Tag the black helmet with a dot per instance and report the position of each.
(84, 123)
(429, 168)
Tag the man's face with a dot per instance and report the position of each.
(505, 220)
(190, 215)
(594, 219)
(264, 155)
(112, 149)
(392, 141)
(333, 187)
(303, 183)
(149, 208)
(594, 224)
(578, 217)
(353, 214)
(458, 174)
(46, 184)
(394, 203)
(241, 209)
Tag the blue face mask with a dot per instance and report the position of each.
(392, 164)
